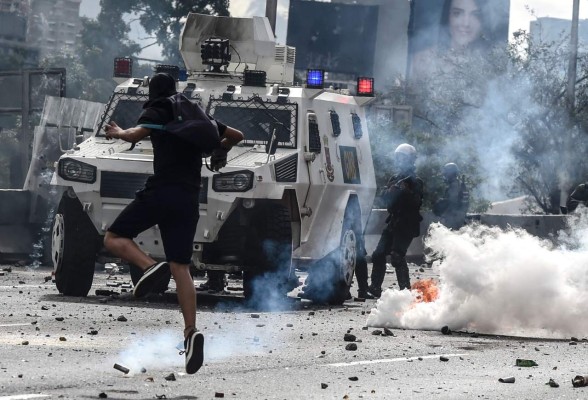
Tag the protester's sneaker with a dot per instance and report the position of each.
(194, 345)
(153, 275)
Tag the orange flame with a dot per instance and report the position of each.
(428, 290)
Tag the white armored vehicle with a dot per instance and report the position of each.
(296, 192)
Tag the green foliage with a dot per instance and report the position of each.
(552, 147)
(162, 19)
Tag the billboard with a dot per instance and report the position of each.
(339, 38)
(442, 32)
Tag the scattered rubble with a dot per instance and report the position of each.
(388, 332)
(102, 396)
(122, 318)
(445, 330)
(170, 377)
(510, 379)
(353, 378)
(348, 337)
(443, 358)
(580, 380)
(254, 315)
(525, 363)
(219, 394)
(324, 386)
(351, 347)
(377, 332)
(552, 383)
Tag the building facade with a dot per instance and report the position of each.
(54, 26)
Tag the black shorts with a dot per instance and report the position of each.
(174, 208)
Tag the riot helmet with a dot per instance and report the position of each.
(405, 157)
(450, 171)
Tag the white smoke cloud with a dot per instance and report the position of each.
(503, 282)
(156, 351)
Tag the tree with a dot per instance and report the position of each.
(507, 119)
(550, 155)
(163, 20)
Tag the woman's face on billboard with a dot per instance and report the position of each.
(465, 24)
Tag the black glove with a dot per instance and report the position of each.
(218, 159)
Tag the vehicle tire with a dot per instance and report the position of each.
(268, 271)
(137, 273)
(330, 278)
(74, 244)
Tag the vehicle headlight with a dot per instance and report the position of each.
(239, 181)
(73, 170)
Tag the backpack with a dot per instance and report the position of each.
(191, 124)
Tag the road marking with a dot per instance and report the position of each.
(389, 360)
(20, 324)
(25, 396)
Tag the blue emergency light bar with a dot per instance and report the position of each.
(315, 78)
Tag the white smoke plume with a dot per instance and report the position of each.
(163, 350)
(500, 282)
(156, 351)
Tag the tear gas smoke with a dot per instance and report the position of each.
(162, 350)
(503, 282)
(152, 352)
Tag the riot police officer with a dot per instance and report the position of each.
(453, 206)
(403, 197)
(578, 196)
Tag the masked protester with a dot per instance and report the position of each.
(578, 196)
(403, 197)
(169, 200)
(453, 206)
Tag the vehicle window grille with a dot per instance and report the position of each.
(286, 170)
(121, 185)
(357, 129)
(314, 136)
(125, 109)
(257, 119)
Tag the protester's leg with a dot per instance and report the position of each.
(137, 217)
(128, 250)
(186, 294)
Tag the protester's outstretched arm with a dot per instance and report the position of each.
(231, 137)
(132, 135)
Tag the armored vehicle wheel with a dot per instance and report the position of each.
(137, 273)
(329, 279)
(269, 273)
(74, 244)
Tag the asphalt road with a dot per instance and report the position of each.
(55, 347)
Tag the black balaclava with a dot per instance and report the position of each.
(161, 85)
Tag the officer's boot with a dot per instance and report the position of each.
(378, 273)
(402, 274)
(361, 274)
